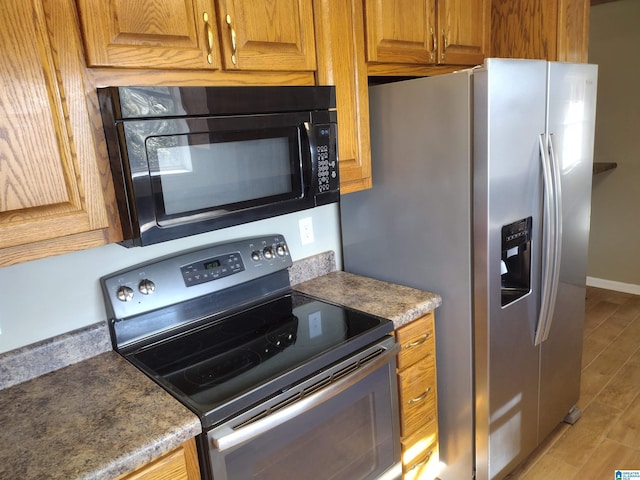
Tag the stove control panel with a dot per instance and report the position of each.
(189, 274)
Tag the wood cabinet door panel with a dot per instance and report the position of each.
(267, 35)
(524, 29)
(400, 31)
(416, 340)
(417, 396)
(344, 66)
(49, 182)
(150, 34)
(180, 463)
(464, 31)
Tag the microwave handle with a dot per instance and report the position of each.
(309, 167)
(226, 437)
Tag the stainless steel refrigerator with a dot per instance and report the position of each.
(481, 193)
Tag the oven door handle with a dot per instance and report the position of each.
(225, 437)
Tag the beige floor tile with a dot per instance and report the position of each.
(626, 429)
(550, 468)
(575, 446)
(597, 314)
(609, 457)
(622, 389)
(599, 417)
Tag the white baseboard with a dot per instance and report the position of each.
(611, 285)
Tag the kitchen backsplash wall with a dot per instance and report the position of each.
(48, 297)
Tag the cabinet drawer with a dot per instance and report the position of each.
(420, 456)
(416, 340)
(417, 393)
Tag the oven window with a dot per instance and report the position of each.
(221, 172)
(350, 436)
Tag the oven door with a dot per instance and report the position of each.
(341, 424)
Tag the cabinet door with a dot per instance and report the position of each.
(547, 29)
(180, 463)
(150, 34)
(267, 34)
(401, 31)
(463, 28)
(342, 64)
(50, 186)
(524, 29)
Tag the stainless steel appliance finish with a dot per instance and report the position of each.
(482, 193)
(188, 160)
(283, 383)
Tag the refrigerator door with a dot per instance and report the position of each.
(571, 124)
(509, 117)
(414, 228)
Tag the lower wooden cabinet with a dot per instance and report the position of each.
(181, 463)
(417, 392)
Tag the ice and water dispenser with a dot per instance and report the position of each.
(515, 264)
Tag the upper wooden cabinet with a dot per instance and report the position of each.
(451, 32)
(51, 193)
(153, 34)
(342, 64)
(543, 29)
(271, 35)
(267, 35)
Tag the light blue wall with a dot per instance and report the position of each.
(44, 298)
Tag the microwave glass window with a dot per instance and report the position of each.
(206, 176)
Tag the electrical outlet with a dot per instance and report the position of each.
(306, 230)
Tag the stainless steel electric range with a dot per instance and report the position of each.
(284, 384)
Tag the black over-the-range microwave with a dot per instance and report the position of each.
(188, 160)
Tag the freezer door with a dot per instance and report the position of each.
(509, 117)
(571, 124)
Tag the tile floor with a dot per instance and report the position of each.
(607, 437)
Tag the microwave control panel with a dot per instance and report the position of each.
(326, 157)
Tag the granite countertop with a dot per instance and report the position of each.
(97, 418)
(388, 300)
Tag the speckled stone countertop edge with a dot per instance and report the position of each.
(398, 303)
(97, 418)
(31, 361)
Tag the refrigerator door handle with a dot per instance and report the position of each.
(557, 237)
(552, 235)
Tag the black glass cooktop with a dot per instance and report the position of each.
(230, 364)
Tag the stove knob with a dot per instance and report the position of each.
(255, 256)
(124, 293)
(146, 287)
(268, 253)
(281, 250)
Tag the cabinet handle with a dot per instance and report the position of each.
(234, 58)
(417, 342)
(420, 398)
(434, 40)
(445, 45)
(207, 27)
(423, 462)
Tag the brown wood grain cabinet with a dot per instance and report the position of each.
(275, 35)
(425, 32)
(417, 392)
(51, 186)
(181, 463)
(556, 30)
(339, 29)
